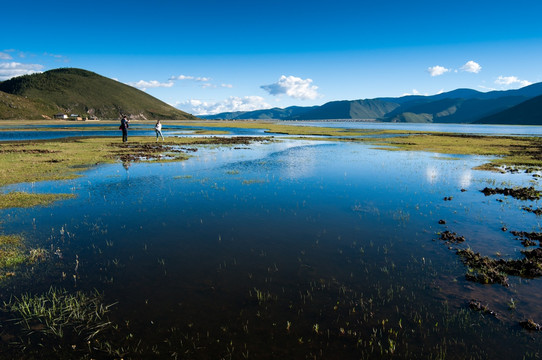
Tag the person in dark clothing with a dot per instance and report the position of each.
(124, 127)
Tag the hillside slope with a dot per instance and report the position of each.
(526, 113)
(452, 110)
(77, 91)
(15, 107)
(349, 109)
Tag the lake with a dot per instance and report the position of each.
(289, 249)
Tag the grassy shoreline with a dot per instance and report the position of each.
(64, 158)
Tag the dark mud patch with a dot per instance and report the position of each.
(482, 269)
(234, 140)
(144, 152)
(537, 211)
(530, 325)
(484, 309)
(451, 237)
(520, 193)
(486, 270)
(528, 238)
(26, 151)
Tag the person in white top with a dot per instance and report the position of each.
(158, 128)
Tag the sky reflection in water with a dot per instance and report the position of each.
(196, 238)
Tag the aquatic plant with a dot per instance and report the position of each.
(12, 251)
(37, 255)
(58, 312)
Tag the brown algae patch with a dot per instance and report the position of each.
(24, 199)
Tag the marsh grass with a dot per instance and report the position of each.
(57, 312)
(14, 252)
(24, 199)
(508, 150)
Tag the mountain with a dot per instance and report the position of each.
(19, 107)
(349, 109)
(266, 114)
(77, 91)
(527, 113)
(460, 106)
(457, 106)
(345, 109)
(452, 110)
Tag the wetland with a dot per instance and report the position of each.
(261, 240)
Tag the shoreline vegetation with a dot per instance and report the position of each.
(64, 158)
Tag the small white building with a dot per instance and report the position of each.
(60, 116)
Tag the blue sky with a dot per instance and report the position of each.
(210, 56)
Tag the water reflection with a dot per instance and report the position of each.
(330, 243)
(431, 174)
(465, 179)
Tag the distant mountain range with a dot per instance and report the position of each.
(521, 106)
(81, 92)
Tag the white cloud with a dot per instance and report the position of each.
(226, 85)
(182, 77)
(189, 77)
(472, 67)
(12, 69)
(414, 92)
(5, 56)
(144, 85)
(437, 70)
(294, 87)
(233, 103)
(511, 80)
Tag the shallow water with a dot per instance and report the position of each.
(293, 249)
(455, 128)
(52, 131)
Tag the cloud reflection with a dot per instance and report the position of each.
(432, 174)
(465, 179)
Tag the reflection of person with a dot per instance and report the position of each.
(124, 127)
(158, 128)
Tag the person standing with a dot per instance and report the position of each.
(124, 127)
(158, 129)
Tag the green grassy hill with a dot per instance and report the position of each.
(77, 91)
(15, 107)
